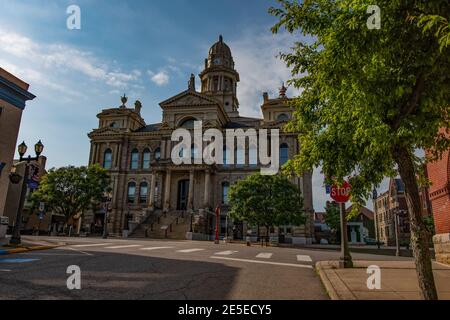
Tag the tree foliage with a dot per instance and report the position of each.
(71, 190)
(266, 200)
(371, 97)
(333, 217)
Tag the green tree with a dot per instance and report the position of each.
(72, 190)
(266, 200)
(333, 217)
(371, 98)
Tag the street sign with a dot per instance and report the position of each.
(341, 194)
(328, 189)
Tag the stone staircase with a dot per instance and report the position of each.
(171, 225)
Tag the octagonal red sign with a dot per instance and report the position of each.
(341, 194)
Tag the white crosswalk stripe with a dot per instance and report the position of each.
(190, 250)
(225, 253)
(264, 255)
(124, 247)
(91, 245)
(155, 248)
(304, 258)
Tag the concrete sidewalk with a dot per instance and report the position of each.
(398, 280)
(27, 245)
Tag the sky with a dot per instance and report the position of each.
(146, 49)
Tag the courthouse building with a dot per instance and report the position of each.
(151, 195)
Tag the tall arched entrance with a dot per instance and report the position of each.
(183, 194)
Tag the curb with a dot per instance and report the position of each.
(326, 281)
(26, 249)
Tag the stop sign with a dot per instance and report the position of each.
(341, 194)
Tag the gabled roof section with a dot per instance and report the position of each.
(189, 98)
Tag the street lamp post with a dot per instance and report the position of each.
(22, 148)
(396, 227)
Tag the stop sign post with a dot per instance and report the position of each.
(341, 194)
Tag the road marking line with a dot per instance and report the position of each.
(90, 245)
(155, 248)
(17, 260)
(264, 262)
(123, 247)
(225, 253)
(264, 255)
(304, 258)
(190, 250)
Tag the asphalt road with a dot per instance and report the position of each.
(157, 269)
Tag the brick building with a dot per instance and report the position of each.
(391, 203)
(439, 175)
(13, 95)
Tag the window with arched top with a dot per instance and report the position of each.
(107, 159)
(131, 192)
(240, 157)
(158, 154)
(114, 125)
(146, 159)
(253, 156)
(282, 117)
(225, 190)
(226, 156)
(134, 164)
(188, 124)
(143, 192)
(284, 153)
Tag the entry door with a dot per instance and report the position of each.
(183, 192)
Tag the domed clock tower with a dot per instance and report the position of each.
(219, 78)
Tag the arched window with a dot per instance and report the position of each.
(253, 156)
(240, 157)
(194, 151)
(143, 191)
(284, 153)
(226, 156)
(146, 159)
(282, 117)
(188, 124)
(131, 192)
(225, 189)
(114, 125)
(107, 159)
(134, 159)
(158, 154)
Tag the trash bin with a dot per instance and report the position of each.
(4, 221)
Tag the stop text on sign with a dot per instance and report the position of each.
(342, 193)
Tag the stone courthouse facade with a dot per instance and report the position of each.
(151, 195)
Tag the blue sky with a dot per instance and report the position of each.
(146, 49)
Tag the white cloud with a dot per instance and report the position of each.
(255, 55)
(161, 78)
(54, 60)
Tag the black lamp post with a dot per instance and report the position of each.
(15, 178)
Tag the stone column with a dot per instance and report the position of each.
(191, 191)
(206, 198)
(152, 192)
(167, 191)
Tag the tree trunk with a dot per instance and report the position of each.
(419, 233)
